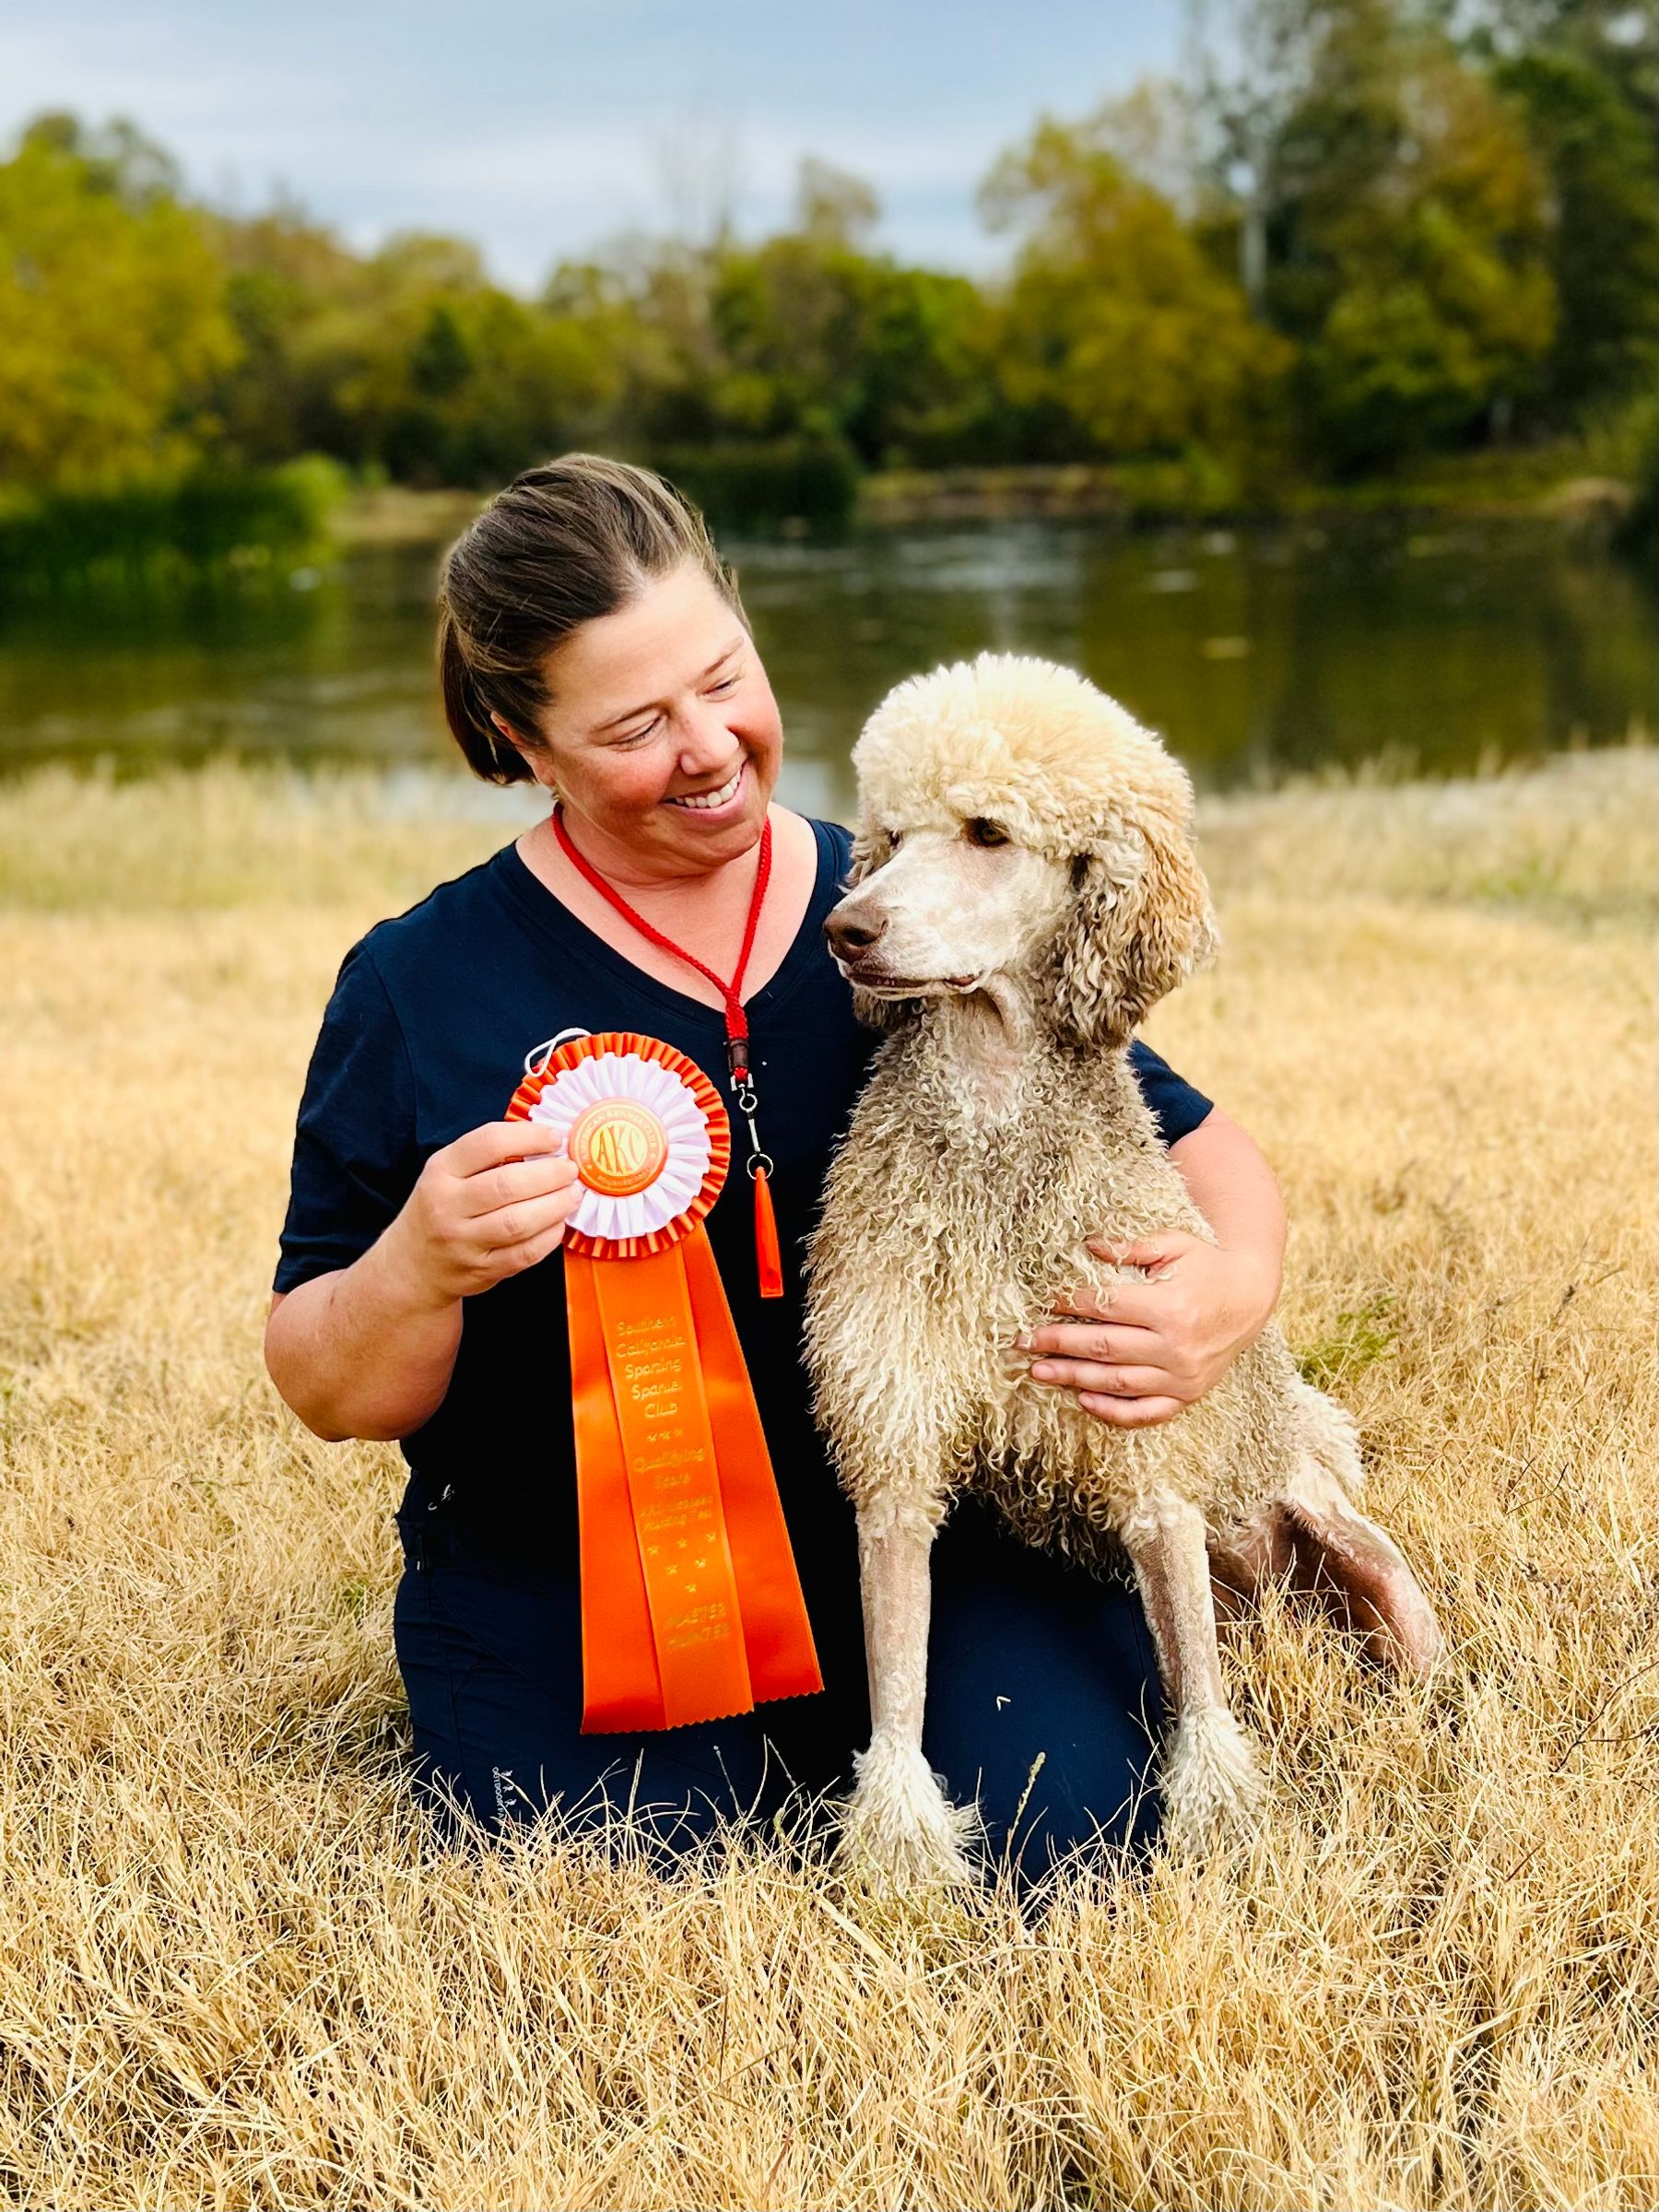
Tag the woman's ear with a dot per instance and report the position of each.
(534, 757)
(1140, 923)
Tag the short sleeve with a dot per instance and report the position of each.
(1177, 1107)
(356, 1158)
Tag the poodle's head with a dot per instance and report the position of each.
(1017, 823)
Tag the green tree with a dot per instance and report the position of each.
(1118, 333)
(814, 335)
(409, 358)
(929, 393)
(291, 290)
(644, 315)
(1402, 222)
(1597, 154)
(460, 382)
(1450, 207)
(113, 319)
(1417, 268)
(1585, 77)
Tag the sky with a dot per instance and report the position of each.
(539, 131)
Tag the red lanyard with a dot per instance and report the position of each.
(767, 1257)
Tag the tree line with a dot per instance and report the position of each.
(1346, 233)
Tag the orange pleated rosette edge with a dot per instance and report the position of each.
(692, 1605)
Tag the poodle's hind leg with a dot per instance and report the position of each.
(899, 1825)
(1212, 1788)
(1346, 1557)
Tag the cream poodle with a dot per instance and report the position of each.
(1025, 887)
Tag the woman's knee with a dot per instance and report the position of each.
(494, 1747)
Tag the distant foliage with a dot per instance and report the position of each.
(1422, 293)
(114, 318)
(156, 533)
(1594, 146)
(815, 481)
(1118, 330)
(1449, 209)
(1350, 234)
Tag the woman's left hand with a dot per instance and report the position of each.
(1142, 1351)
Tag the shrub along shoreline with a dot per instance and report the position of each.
(204, 530)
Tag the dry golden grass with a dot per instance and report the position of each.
(235, 1974)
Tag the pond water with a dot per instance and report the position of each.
(1254, 653)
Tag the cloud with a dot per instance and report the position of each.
(542, 127)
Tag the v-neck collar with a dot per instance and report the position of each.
(566, 934)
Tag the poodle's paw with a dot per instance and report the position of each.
(901, 1826)
(1213, 1790)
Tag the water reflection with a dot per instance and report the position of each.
(1253, 652)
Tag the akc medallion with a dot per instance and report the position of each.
(692, 1605)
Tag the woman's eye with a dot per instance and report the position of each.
(637, 736)
(980, 832)
(727, 683)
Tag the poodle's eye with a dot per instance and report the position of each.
(980, 832)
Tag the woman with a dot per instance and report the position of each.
(591, 638)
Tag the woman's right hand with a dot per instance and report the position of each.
(488, 1206)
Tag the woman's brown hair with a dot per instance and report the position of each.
(565, 542)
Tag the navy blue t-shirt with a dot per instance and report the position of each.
(425, 1037)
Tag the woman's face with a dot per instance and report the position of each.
(663, 737)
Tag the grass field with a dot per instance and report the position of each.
(234, 1974)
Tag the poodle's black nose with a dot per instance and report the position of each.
(849, 939)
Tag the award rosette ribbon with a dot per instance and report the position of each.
(692, 1605)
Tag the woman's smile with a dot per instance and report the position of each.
(714, 805)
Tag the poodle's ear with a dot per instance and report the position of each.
(1140, 924)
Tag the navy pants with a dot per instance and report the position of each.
(1043, 1703)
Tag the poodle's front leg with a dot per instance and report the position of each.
(1211, 1785)
(899, 1824)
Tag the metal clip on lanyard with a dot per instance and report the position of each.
(759, 1161)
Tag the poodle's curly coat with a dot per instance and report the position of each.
(1002, 1124)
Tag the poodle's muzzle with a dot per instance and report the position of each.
(944, 914)
(853, 944)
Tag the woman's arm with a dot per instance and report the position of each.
(1148, 1349)
(1237, 1192)
(367, 1350)
(359, 1352)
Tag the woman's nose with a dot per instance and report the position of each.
(706, 743)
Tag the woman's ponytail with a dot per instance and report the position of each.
(488, 754)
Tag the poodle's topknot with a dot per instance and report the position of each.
(1031, 745)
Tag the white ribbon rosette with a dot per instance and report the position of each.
(647, 1131)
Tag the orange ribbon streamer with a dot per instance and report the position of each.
(692, 1606)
